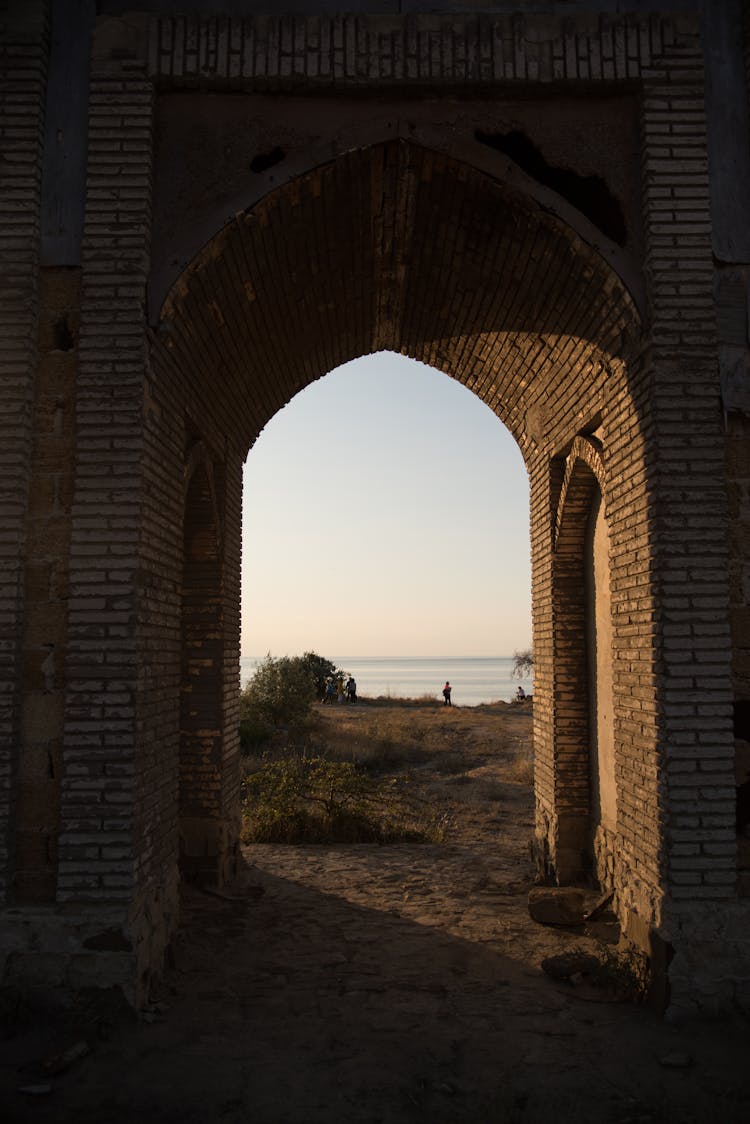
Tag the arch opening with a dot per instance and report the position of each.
(386, 515)
(395, 247)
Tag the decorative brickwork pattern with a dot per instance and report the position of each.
(274, 52)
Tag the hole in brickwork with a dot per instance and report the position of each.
(742, 719)
(743, 808)
(588, 194)
(265, 160)
(64, 340)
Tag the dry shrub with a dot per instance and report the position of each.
(521, 767)
(311, 799)
(623, 971)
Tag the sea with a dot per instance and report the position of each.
(473, 681)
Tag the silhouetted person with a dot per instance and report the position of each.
(447, 694)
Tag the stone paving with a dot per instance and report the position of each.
(381, 985)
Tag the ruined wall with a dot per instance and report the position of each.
(23, 68)
(733, 287)
(47, 589)
(402, 222)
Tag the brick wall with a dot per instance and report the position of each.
(23, 66)
(672, 692)
(364, 239)
(395, 245)
(693, 644)
(44, 636)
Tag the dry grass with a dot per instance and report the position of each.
(454, 762)
(521, 766)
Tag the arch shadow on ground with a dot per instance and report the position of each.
(290, 1000)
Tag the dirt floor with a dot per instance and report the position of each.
(383, 984)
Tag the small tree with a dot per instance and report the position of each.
(281, 691)
(523, 663)
(320, 670)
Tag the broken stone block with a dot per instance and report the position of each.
(557, 905)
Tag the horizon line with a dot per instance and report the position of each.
(350, 656)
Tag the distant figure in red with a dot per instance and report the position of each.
(447, 694)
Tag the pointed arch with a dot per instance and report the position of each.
(586, 791)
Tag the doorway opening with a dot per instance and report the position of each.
(386, 514)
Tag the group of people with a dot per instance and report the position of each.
(339, 691)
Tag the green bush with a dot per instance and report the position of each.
(254, 734)
(283, 689)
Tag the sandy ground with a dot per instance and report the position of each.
(383, 985)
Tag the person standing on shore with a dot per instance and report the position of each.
(447, 694)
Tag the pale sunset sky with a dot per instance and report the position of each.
(385, 513)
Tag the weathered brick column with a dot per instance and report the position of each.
(209, 711)
(108, 831)
(23, 67)
(696, 855)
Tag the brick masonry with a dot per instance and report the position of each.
(23, 65)
(603, 362)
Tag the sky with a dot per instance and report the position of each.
(385, 513)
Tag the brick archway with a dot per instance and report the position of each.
(397, 247)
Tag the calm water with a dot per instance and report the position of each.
(473, 680)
